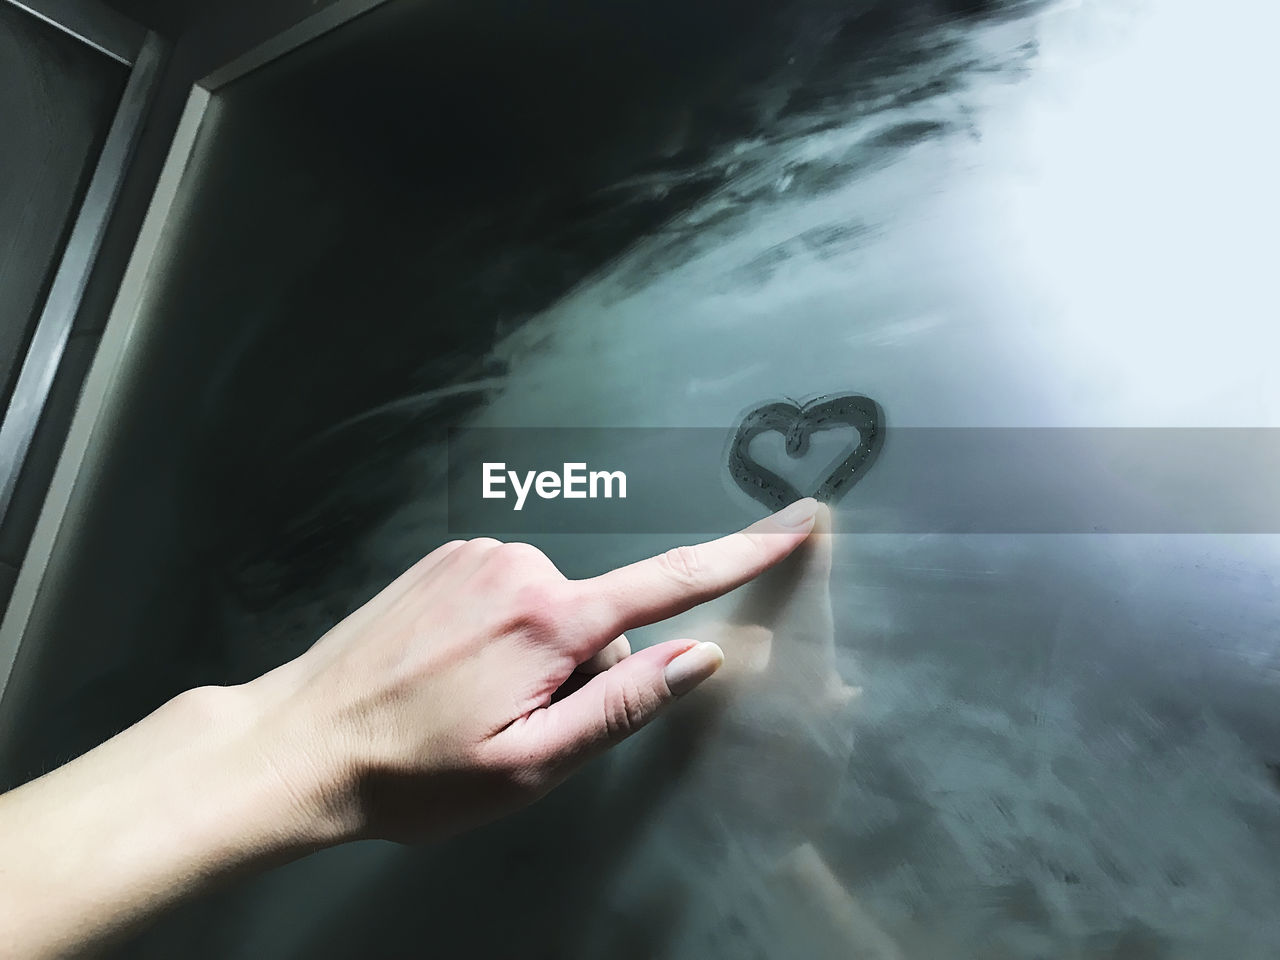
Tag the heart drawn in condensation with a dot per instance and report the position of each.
(798, 423)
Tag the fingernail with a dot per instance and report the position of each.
(692, 667)
(799, 515)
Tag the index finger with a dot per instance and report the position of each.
(680, 579)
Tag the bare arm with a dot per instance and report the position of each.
(428, 710)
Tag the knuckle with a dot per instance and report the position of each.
(429, 562)
(625, 710)
(519, 556)
(474, 549)
(683, 565)
(441, 551)
(534, 596)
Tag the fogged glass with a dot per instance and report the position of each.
(664, 215)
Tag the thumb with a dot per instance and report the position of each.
(620, 701)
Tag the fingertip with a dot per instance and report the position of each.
(693, 667)
(780, 533)
(799, 517)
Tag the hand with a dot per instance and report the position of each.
(431, 708)
(434, 707)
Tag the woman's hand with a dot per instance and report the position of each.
(434, 707)
(443, 702)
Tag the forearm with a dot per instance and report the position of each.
(195, 793)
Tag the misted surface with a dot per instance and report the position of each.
(661, 215)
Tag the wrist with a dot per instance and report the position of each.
(298, 757)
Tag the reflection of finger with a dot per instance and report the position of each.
(807, 628)
(794, 601)
(800, 582)
(747, 648)
(611, 655)
(852, 928)
(814, 559)
(821, 544)
(843, 694)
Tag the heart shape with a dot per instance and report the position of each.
(798, 423)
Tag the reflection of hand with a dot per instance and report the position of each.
(749, 771)
(776, 732)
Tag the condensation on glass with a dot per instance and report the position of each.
(661, 215)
